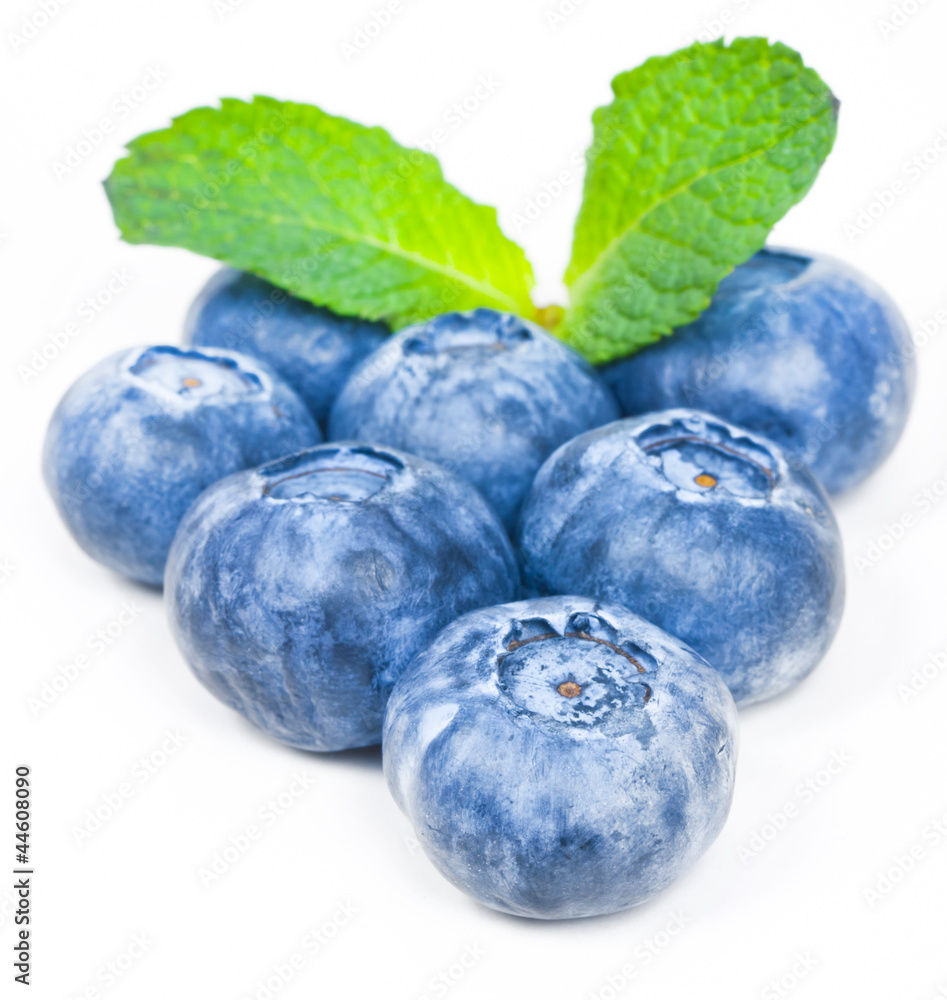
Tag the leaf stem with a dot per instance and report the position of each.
(549, 317)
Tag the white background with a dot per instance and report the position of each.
(342, 847)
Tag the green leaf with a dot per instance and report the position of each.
(696, 159)
(333, 211)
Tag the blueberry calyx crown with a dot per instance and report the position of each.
(192, 375)
(585, 677)
(334, 474)
(701, 455)
(478, 332)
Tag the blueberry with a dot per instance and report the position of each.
(799, 347)
(703, 528)
(561, 757)
(138, 437)
(485, 394)
(299, 591)
(313, 348)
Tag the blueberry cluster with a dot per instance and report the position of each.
(451, 541)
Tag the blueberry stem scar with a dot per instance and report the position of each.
(569, 689)
(705, 479)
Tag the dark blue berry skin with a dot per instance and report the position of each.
(137, 438)
(701, 527)
(313, 348)
(299, 591)
(483, 393)
(561, 757)
(799, 347)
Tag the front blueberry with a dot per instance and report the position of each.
(313, 348)
(138, 437)
(299, 591)
(485, 394)
(799, 347)
(703, 528)
(561, 757)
